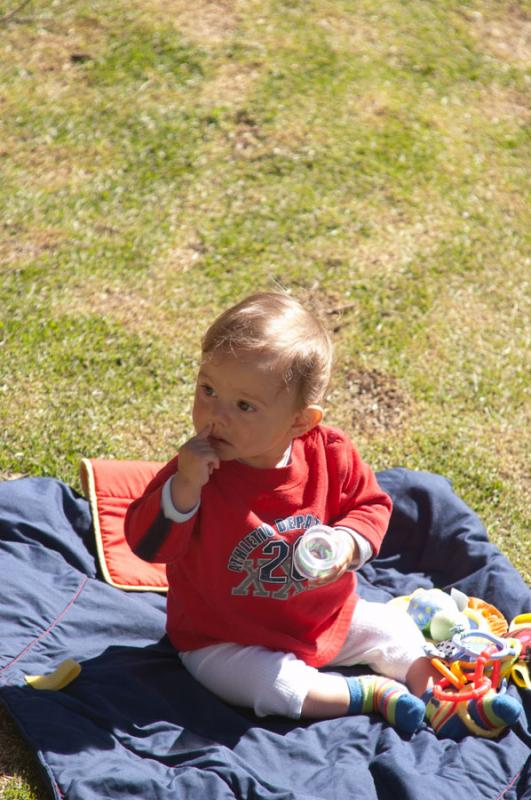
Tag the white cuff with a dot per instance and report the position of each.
(364, 548)
(170, 512)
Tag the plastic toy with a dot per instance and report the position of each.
(66, 672)
(472, 646)
(478, 664)
(319, 551)
(520, 632)
(438, 614)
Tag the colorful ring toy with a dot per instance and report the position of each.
(456, 680)
(460, 696)
(467, 653)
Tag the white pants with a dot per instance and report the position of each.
(381, 636)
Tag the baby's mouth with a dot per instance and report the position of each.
(217, 440)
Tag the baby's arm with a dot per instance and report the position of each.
(364, 508)
(197, 460)
(362, 549)
(154, 534)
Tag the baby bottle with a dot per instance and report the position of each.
(319, 550)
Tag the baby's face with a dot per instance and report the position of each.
(252, 412)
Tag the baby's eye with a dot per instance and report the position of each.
(243, 405)
(208, 390)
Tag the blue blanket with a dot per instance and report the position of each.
(136, 725)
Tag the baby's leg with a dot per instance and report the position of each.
(386, 639)
(365, 694)
(279, 683)
(389, 641)
(268, 682)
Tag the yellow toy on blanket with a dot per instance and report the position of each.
(66, 672)
(475, 650)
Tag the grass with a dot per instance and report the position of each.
(158, 163)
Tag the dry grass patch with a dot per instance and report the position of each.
(230, 86)
(24, 247)
(155, 304)
(247, 139)
(50, 168)
(461, 118)
(399, 243)
(504, 30)
(348, 31)
(55, 47)
(371, 401)
(402, 238)
(364, 399)
(139, 310)
(205, 22)
(11, 476)
(500, 104)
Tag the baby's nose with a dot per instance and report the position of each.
(219, 413)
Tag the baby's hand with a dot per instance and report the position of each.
(197, 461)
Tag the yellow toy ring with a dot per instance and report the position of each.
(455, 680)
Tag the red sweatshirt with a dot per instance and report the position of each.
(230, 571)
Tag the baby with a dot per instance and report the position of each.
(227, 513)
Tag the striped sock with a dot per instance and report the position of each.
(370, 693)
(488, 716)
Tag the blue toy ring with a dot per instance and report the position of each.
(504, 650)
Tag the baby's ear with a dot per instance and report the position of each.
(306, 419)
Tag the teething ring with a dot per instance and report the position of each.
(461, 675)
(495, 676)
(495, 648)
(474, 727)
(461, 696)
(456, 680)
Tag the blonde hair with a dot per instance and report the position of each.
(275, 325)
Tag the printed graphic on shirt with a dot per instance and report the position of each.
(268, 561)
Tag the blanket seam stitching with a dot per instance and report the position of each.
(50, 627)
(506, 788)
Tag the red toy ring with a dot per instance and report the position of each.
(460, 697)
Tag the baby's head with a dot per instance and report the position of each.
(264, 369)
(276, 328)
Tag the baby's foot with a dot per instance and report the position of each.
(488, 716)
(369, 693)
